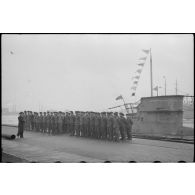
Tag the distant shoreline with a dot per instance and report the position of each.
(9, 113)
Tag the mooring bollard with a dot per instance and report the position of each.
(9, 137)
(107, 161)
(181, 161)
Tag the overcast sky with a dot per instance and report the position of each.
(87, 72)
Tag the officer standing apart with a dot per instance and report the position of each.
(21, 123)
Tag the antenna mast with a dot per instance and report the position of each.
(151, 78)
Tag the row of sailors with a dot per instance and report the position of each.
(104, 125)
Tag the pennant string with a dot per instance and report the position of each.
(141, 65)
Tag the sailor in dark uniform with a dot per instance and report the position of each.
(122, 125)
(104, 118)
(109, 126)
(129, 126)
(72, 123)
(77, 121)
(116, 127)
(60, 122)
(21, 123)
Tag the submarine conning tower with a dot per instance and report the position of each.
(159, 116)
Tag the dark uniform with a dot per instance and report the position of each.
(92, 125)
(111, 130)
(77, 123)
(71, 121)
(60, 122)
(97, 126)
(63, 122)
(84, 126)
(81, 125)
(84, 121)
(25, 120)
(44, 123)
(41, 122)
(49, 123)
(47, 119)
(56, 123)
(122, 125)
(28, 121)
(129, 127)
(67, 122)
(33, 121)
(116, 127)
(109, 126)
(52, 123)
(72, 124)
(36, 122)
(87, 117)
(21, 123)
(104, 125)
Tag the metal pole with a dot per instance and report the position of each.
(151, 79)
(165, 85)
(131, 108)
(176, 87)
(125, 104)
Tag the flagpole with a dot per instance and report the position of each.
(131, 108)
(125, 104)
(151, 79)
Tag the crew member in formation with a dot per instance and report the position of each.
(105, 125)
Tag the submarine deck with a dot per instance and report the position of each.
(44, 148)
